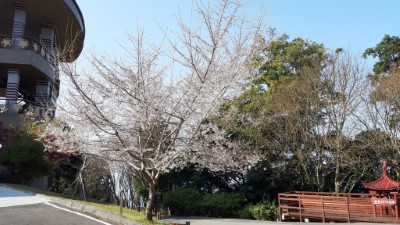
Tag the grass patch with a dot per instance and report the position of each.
(132, 215)
(128, 213)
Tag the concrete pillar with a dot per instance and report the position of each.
(12, 89)
(19, 25)
(42, 93)
(47, 38)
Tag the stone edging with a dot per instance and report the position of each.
(100, 213)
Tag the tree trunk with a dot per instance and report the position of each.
(82, 187)
(337, 172)
(150, 201)
(121, 202)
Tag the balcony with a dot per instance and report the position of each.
(28, 51)
(10, 113)
(64, 15)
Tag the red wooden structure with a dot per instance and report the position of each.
(383, 184)
(379, 205)
(387, 191)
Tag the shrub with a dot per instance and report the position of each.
(245, 212)
(265, 211)
(182, 201)
(222, 204)
(189, 202)
(25, 156)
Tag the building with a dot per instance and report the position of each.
(33, 36)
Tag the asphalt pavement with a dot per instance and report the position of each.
(22, 208)
(41, 214)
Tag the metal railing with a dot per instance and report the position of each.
(20, 105)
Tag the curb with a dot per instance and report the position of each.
(91, 210)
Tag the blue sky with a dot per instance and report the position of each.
(350, 24)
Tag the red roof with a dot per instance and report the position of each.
(384, 183)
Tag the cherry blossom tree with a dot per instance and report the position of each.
(147, 108)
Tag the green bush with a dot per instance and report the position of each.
(222, 204)
(25, 156)
(189, 202)
(265, 211)
(182, 201)
(245, 212)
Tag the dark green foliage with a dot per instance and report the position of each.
(280, 62)
(388, 53)
(222, 204)
(25, 156)
(265, 211)
(97, 179)
(65, 175)
(293, 101)
(374, 146)
(143, 192)
(189, 202)
(182, 201)
(286, 59)
(245, 212)
(260, 182)
(283, 64)
(202, 180)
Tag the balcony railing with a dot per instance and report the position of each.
(5, 106)
(28, 43)
(20, 105)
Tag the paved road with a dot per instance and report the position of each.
(20, 208)
(12, 197)
(41, 214)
